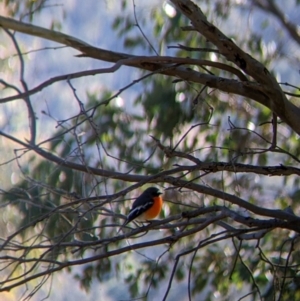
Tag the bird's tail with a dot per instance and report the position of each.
(124, 224)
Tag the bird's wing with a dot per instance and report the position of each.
(140, 205)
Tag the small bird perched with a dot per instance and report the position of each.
(146, 207)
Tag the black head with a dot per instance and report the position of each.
(153, 191)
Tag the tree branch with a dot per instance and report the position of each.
(277, 101)
(271, 7)
(266, 90)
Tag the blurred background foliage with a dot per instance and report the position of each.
(109, 136)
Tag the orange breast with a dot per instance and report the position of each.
(154, 211)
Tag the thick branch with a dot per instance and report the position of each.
(133, 61)
(269, 94)
(213, 167)
(278, 103)
(166, 177)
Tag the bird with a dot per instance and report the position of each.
(146, 207)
